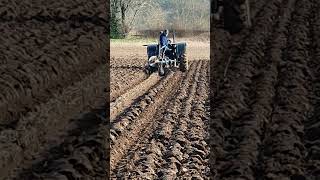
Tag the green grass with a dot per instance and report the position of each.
(132, 39)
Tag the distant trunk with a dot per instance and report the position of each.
(116, 27)
(123, 20)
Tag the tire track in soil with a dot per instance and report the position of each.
(128, 98)
(146, 159)
(124, 131)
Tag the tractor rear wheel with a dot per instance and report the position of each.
(161, 70)
(184, 66)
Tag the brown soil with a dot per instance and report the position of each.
(159, 129)
(265, 96)
(125, 79)
(52, 90)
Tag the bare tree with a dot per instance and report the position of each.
(114, 20)
(154, 14)
(130, 5)
(190, 14)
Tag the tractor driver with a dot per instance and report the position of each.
(164, 41)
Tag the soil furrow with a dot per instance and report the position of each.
(256, 7)
(128, 118)
(223, 45)
(126, 79)
(45, 72)
(159, 94)
(196, 162)
(265, 95)
(175, 149)
(143, 161)
(60, 10)
(233, 101)
(125, 100)
(242, 146)
(53, 58)
(284, 149)
(81, 155)
(135, 63)
(37, 130)
(312, 126)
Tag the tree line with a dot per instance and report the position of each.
(133, 15)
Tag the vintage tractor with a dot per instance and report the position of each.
(162, 61)
(232, 15)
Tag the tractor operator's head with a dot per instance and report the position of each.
(166, 32)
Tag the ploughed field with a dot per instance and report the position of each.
(158, 125)
(52, 90)
(265, 95)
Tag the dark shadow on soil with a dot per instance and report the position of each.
(81, 155)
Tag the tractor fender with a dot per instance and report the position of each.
(153, 61)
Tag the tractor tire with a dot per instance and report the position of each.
(151, 70)
(184, 65)
(161, 70)
(147, 70)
